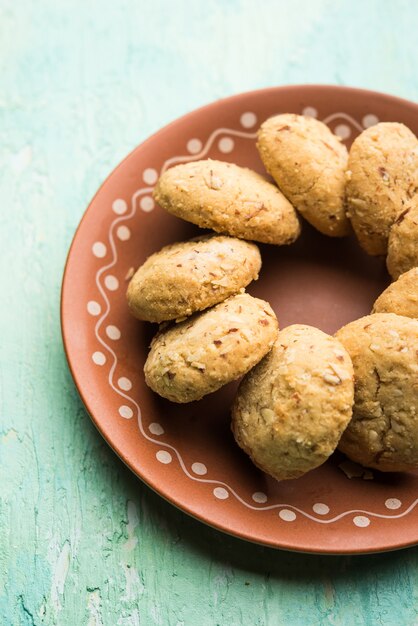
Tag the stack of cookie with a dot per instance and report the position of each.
(381, 194)
(304, 392)
(221, 331)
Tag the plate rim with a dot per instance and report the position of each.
(219, 526)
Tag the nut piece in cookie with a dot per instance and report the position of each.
(383, 433)
(403, 240)
(210, 349)
(291, 409)
(228, 199)
(382, 177)
(190, 276)
(308, 163)
(401, 297)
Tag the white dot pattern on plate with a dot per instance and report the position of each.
(98, 358)
(220, 493)
(320, 508)
(119, 206)
(111, 282)
(226, 145)
(164, 457)
(287, 516)
(194, 146)
(124, 383)
(310, 112)
(343, 131)
(156, 429)
(93, 307)
(248, 119)
(99, 249)
(123, 233)
(361, 521)
(113, 332)
(200, 469)
(370, 120)
(259, 497)
(126, 412)
(150, 176)
(393, 503)
(147, 204)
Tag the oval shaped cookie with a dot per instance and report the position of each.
(228, 199)
(381, 178)
(403, 241)
(383, 433)
(308, 163)
(190, 276)
(291, 409)
(203, 353)
(401, 297)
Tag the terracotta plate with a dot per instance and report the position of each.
(187, 453)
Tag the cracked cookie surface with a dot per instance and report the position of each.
(401, 297)
(190, 276)
(403, 240)
(292, 408)
(383, 433)
(228, 199)
(210, 349)
(382, 177)
(308, 163)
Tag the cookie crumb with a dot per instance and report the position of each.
(130, 273)
(354, 470)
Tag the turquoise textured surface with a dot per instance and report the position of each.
(82, 541)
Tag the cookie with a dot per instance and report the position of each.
(292, 408)
(382, 176)
(190, 276)
(228, 199)
(203, 353)
(308, 163)
(403, 241)
(401, 297)
(383, 433)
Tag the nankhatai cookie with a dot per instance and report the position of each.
(382, 177)
(190, 276)
(291, 409)
(401, 297)
(403, 240)
(308, 163)
(228, 199)
(383, 432)
(208, 350)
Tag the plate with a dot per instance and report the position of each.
(186, 452)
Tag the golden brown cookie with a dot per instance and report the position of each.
(228, 199)
(383, 433)
(403, 240)
(401, 297)
(291, 409)
(308, 163)
(203, 353)
(382, 176)
(190, 276)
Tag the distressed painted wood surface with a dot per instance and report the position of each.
(82, 541)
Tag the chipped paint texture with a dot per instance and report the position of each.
(82, 541)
